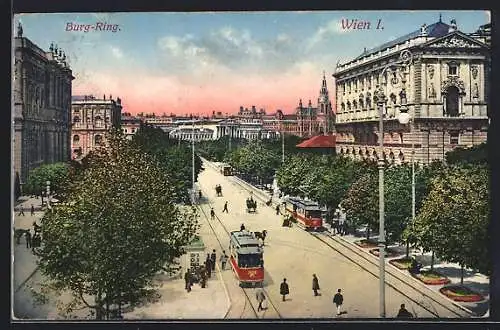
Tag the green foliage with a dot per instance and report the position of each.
(255, 160)
(475, 155)
(175, 159)
(397, 193)
(453, 220)
(117, 229)
(56, 173)
(361, 202)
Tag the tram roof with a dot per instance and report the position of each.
(249, 250)
(304, 204)
(244, 237)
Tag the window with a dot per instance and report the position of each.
(452, 68)
(76, 139)
(454, 137)
(98, 140)
(76, 119)
(98, 121)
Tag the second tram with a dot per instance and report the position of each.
(246, 257)
(308, 214)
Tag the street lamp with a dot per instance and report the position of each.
(404, 61)
(48, 193)
(282, 132)
(192, 145)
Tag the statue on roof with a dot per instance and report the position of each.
(19, 30)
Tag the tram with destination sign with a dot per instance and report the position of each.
(307, 214)
(246, 258)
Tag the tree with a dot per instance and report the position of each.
(453, 220)
(117, 229)
(17, 187)
(56, 173)
(398, 208)
(361, 202)
(475, 155)
(290, 175)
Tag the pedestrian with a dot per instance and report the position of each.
(208, 266)
(187, 281)
(338, 299)
(212, 213)
(36, 227)
(199, 194)
(404, 313)
(21, 211)
(242, 227)
(27, 235)
(260, 296)
(315, 285)
(277, 209)
(223, 260)
(341, 225)
(225, 208)
(32, 210)
(203, 276)
(213, 258)
(284, 290)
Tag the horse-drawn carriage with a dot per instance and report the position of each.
(251, 205)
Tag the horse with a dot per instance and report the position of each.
(261, 235)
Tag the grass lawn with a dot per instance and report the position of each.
(461, 293)
(431, 277)
(401, 263)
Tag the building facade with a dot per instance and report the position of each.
(319, 119)
(41, 91)
(92, 118)
(130, 125)
(444, 89)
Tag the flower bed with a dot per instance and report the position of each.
(401, 263)
(431, 277)
(389, 253)
(366, 243)
(461, 293)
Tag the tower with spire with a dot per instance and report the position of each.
(325, 112)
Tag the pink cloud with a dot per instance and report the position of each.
(141, 92)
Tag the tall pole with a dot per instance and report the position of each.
(192, 144)
(412, 171)
(282, 144)
(381, 239)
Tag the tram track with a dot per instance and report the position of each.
(426, 305)
(248, 300)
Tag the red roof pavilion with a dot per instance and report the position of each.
(318, 141)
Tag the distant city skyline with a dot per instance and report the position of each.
(202, 62)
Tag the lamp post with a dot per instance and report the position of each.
(192, 154)
(404, 61)
(282, 142)
(48, 193)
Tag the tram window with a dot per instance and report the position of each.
(249, 260)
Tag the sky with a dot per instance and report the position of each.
(197, 63)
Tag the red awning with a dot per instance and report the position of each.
(318, 141)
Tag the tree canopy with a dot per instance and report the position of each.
(56, 173)
(453, 220)
(117, 229)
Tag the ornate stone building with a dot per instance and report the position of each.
(92, 118)
(41, 89)
(444, 90)
(313, 120)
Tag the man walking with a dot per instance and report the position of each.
(223, 260)
(212, 213)
(21, 211)
(338, 299)
(28, 239)
(260, 296)
(187, 281)
(225, 208)
(284, 290)
(315, 285)
(277, 209)
(404, 313)
(213, 258)
(208, 266)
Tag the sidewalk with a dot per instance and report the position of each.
(24, 262)
(475, 281)
(175, 302)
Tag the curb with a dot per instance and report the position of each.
(219, 275)
(411, 281)
(27, 279)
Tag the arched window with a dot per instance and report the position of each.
(98, 140)
(348, 106)
(76, 119)
(342, 106)
(98, 121)
(354, 104)
(453, 68)
(76, 139)
(452, 101)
